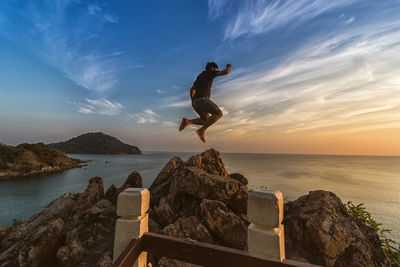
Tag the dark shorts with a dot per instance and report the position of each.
(204, 106)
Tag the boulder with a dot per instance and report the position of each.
(210, 161)
(198, 183)
(160, 186)
(188, 228)
(239, 177)
(112, 194)
(134, 180)
(184, 195)
(224, 224)
(163, 213)
(319, 229)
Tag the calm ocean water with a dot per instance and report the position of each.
(374, 181)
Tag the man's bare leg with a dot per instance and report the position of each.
(210, 121)
(186, 122)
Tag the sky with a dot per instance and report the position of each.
(308, 76)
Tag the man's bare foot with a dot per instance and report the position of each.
(201, 133)
(184, 124)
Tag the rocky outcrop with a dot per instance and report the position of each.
(319, 229)
(195, 200)
(224, 223)
(198, 200)
(74, 230)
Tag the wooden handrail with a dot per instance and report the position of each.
(130, 254)
(199, 253)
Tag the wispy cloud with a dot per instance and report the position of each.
(93, 9)
(67, 44)
(147, 116)
(99, 106)
(350, 20)
(216, 8)
(342, 84)
(260, 16)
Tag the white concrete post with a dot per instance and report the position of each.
(132, 207)
(265, 234)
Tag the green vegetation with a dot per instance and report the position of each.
(389, 246)
(26, 158)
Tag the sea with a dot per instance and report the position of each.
(371, 180)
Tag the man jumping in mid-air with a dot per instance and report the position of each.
(201, 102)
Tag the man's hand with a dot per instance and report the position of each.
(225, 71)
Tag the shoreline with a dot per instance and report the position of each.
(7, 175)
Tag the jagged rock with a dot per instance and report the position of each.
(188, 228)
(167, 171)
(240, 178)
(72, 253)
(226, 225)
(161, 184)
(202, 185)
(210, 161)
(112, 194)
(154, 226)
(319, 229)
(74, 230)
(177, 194)
(134, 180)
(93, 193)
(105, 261)
(164, 213)
(44, 243)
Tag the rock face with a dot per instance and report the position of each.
(95, 143)
(198, 200)
(319, 229)
(74, 230)
(195, 200)
(198, 196)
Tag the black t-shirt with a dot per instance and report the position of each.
(203, 83)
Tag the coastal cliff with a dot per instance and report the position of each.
(32, 159)
(95, 143)
(196, 200)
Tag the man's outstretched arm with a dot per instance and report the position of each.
(225, 71)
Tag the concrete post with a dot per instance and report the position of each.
(132, 207)
(265, 236)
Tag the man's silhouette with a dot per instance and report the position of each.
(201, 102)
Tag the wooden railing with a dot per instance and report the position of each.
(203, 254)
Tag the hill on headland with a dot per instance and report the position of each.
(95, 143)
(30, 159)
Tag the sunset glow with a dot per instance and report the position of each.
(308, 76)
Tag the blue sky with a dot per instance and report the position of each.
(308, 76)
